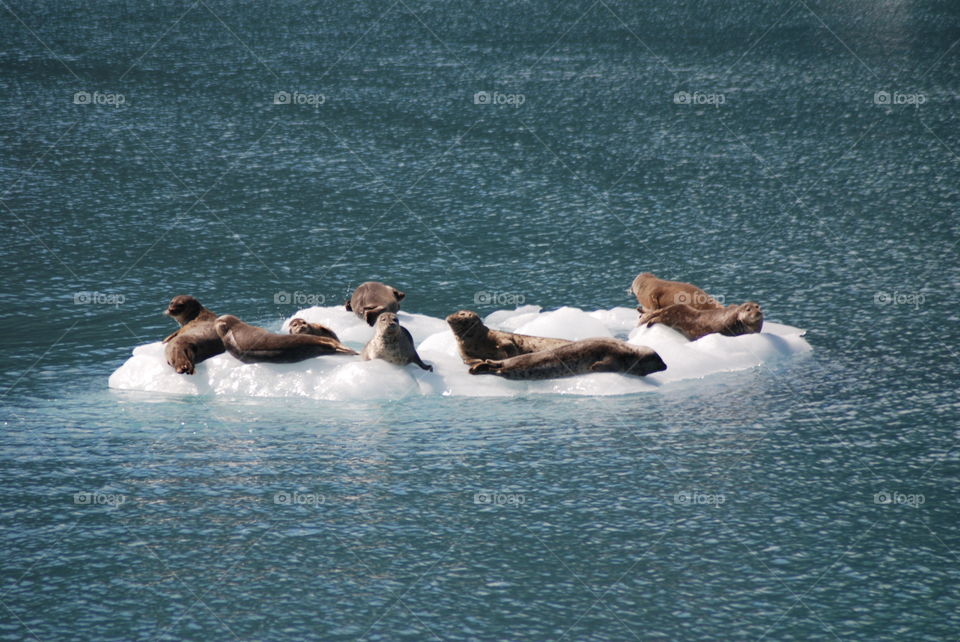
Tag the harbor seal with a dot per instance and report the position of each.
(392, 342)
(731, 321)
(477, 341)
(195, 340)
(654, 293)
(372, 298)
(600, 354)
(302, 326)
(251, 344)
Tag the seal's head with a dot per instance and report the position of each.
(183, 308)
(225, 323)
(637, 282)
(299, 326)
(388, 323)
(465, 323)
(750, 315)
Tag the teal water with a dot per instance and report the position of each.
(789, 182)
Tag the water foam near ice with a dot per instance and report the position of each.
(349, 377)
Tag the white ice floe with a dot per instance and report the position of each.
(345, 377)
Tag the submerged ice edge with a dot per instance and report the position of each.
(346, 377)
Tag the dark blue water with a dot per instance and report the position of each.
(800, 154)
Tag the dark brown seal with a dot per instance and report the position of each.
(196, 339)
(251, 344)
(392, 343)
(600, 354)
(731, 321)
(372, 298)
(654, 293)
(302, 326)
(477, 341)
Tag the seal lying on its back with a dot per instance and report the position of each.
(251, 344)
(196, 339)
(477, 341)
(654, 293)
(302, 326)
(372, 298)
(600, 354)
(731, 321)
(392, 342)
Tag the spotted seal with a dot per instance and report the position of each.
(195, 340)
(251, 344)
(731, 321)
(393, 343)
(600, 354)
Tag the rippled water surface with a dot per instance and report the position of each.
(799, 154)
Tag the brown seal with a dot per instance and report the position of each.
(477, 341)
(302, 326)
(731, 321)
(392, 343)
(251, 344)
(372, 298)
(600, 354)
(196, 339)
(654, 293)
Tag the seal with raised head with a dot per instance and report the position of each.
(731, 321)
(302, 326)
(477, 341)
(392, 342)
(195, 340)
(251, 344)
(600, 354)
(373, 298)
(654, 293)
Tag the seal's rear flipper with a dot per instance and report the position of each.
(485, 366)
(372, 314)
(397, 293)
(181, 358)
(347, 305)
